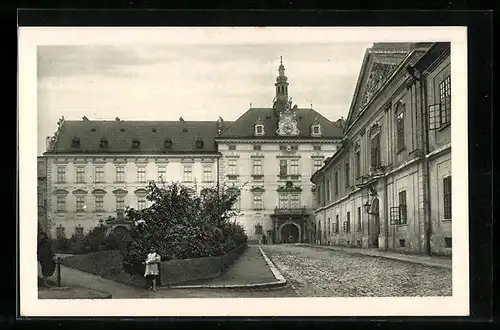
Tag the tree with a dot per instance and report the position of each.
(181, 224)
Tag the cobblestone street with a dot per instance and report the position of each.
(316, 272)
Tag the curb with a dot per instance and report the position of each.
(421, 262)
(280, 280)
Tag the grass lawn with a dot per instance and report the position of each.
(107, 264)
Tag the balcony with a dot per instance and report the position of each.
(288, 177)
(289, 210)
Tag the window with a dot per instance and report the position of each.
(231, 167)
(41, 201)
(232, 147)
(316, 129)
(375, 151)
(347, 223)
(199, 144)
(257, 167)
(359, 220)
(258, 229)
(295, 201)
(60, 232)
(61, 203)
(162, 173)
(136, 144)
(317, 148)
(120, 204)
(402, 243)
(336, 224)
(141, 173)
(329, 227)
(328, 195)
(188, 173)
(80, 174)
(402, 208)
(358, 163)
(447, 197)
(80, 203)
(336, 183)
(167, 144)
(257, 147)
(79, 231)
(283, 201)
(207, 173)
(99, 203)
(141, 203)
(283, 167)
(347, 174)
(99, 174)
(61, 174)
(294, 167)
(447, 242)
(259, 129)
(257, 202)
(103, 144)
(400, 128)
(445, 101)
(318, 163)
(120, 174)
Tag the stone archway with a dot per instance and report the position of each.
(290, 233)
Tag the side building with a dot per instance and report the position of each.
(97, 168)
(269, 155)
(389, 185)
(42, 194)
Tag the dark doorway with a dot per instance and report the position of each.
(289, 233)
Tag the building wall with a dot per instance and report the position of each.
(42, 193)
(270, 156)
(131, 188)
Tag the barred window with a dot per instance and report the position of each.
(447, 197)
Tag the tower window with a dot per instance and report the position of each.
(103, 144)
(135, 144)
(199, 144)
(167, 144)
(75, 143)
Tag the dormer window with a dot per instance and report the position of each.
(103, 144)
(135, 144)
(75, 143)
(259, 129)
(316, 129)
(167, 144)
(199, 144)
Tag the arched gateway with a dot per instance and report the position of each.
(290, 233)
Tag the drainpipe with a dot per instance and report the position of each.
(386, 215)
(426, 178)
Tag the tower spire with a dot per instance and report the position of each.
(281, 84)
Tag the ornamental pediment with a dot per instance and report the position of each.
(61, 191)
(79, 192)
(98, 191)
(120, 191)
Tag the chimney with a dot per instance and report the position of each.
(47, 143)
(219, 125)
(117, 119)
(84, 118)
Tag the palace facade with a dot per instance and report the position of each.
(389, 184)
(94, 169)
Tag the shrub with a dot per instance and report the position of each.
(94, 240)
(181, 224)
(76, 244)
(60, 245)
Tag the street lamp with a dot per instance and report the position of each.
(367, 207)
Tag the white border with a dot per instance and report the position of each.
(30, 305)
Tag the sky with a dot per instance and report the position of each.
(198, 81)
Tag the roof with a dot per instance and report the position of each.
(151, 135)
(243, 127)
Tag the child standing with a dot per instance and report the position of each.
(152, 269)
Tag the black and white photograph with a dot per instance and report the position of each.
(243, 171)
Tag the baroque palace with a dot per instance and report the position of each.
(389, 184)
(92, 170)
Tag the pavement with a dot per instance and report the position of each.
(71, 293)
(322, 272)
(432, 261)
(253, 269)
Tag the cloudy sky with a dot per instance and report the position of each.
(163, 81)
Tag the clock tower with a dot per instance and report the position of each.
(287, 124)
